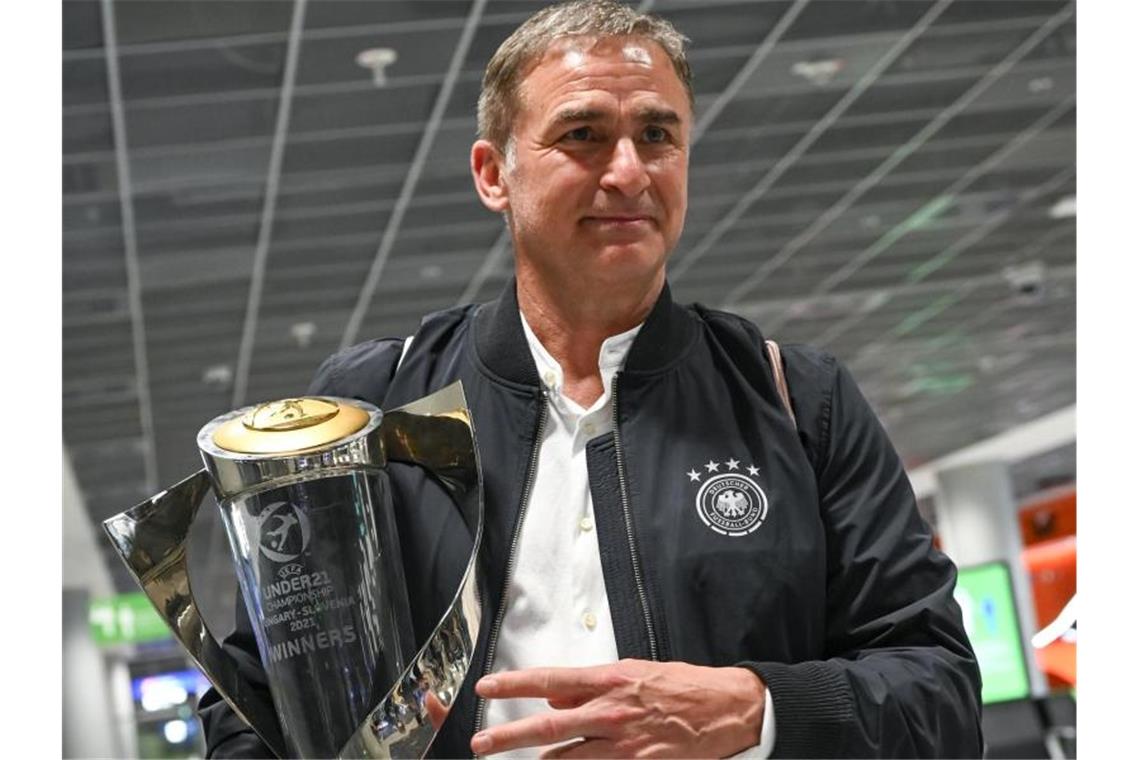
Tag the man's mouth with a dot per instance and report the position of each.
(619, 219)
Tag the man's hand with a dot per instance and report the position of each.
(631, 708)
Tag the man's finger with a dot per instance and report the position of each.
(533, 731)
(585, 748)
(545, 683)
(436, 710)
(560, 703)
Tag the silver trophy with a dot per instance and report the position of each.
(304, 489)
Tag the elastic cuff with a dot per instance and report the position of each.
(814, 703)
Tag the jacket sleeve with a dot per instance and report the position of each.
(363, 371)
(226, 734)
(898, 677)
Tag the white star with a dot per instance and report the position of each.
(753, 470)
(694, 476)
(712, 466)
(733, 464)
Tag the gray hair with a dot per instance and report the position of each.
(499, 99)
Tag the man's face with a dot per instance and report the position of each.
(596, 177)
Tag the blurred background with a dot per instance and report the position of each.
(249, 186)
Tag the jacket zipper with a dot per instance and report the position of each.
(512, 557)
(633, 555)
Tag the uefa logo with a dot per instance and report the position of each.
(283, 532)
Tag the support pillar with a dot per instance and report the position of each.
(978, 522)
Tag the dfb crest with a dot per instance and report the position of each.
(730, 503)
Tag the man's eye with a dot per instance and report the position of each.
(656, 135)
(579, 134)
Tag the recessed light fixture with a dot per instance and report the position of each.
(376, 60)
(1064, 208)
(874, 300)
(820, 71)
(303, 333)
(1027, 281)
(1040, 84)
(218, 376)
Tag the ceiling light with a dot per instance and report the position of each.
(1040, 84)
(376, 59)
(1065, 208)
(431, 272)
(819, 72)
(875, 300)
(303, 333)
(1027, 281)
(218, 376)
(991, 364)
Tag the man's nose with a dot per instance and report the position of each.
(626, 171)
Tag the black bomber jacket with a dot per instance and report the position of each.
(823, 579)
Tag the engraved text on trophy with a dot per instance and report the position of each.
(295, 599)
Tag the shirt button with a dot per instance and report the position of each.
(548, 378)
(590, 621)
(586, 524)
(589, 428)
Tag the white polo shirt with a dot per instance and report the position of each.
(557, 611)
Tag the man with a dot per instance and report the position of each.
(673, 566)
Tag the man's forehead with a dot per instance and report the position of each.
(574, 50)
(571, 53)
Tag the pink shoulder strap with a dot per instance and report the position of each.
(778, 373)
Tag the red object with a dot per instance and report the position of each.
(1050, 516)
(1058, 661)
(1052, 568)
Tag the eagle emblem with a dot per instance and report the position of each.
(730, 503)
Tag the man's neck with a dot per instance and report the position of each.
(573, 326)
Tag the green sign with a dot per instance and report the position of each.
(125, 619)
(986, 597)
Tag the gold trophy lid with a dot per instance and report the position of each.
(292, 424)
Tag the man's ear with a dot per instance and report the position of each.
(488, 172)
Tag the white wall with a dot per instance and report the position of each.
(83, 567)
(90, 728)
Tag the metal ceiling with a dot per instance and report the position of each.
(885, 179)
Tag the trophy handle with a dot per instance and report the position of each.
(436, 433)
(151, 538)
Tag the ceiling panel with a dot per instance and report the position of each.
(334, 59)
(335, 110)
(353, 13)
(831, 18)
(82, 27)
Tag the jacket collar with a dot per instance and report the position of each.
(502, 347)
